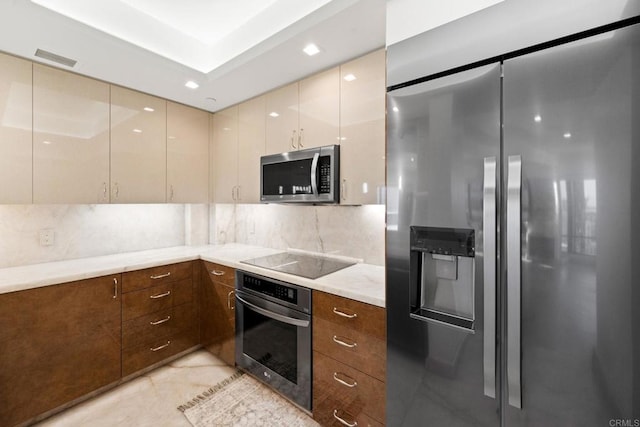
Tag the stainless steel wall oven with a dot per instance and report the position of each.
(273, 334)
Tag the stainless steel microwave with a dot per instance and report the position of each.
(304, 176)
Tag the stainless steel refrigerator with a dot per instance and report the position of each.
(513, 213)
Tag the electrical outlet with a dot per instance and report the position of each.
(47, 237)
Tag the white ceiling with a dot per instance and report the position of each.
(234, 49)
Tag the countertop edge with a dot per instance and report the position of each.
(58, 272)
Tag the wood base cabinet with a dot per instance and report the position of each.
(159, 313)
(349, 361)
(217, 311)
(57, 344)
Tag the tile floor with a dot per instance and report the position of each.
(149, 400)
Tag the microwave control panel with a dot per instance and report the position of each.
(325, 175)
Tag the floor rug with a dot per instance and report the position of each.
(241, 400)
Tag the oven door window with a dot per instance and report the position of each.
(272, 343)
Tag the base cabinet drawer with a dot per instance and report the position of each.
(346, 389)
(154, 326)
(142, 356)
(351, 347)
(328, 414)
(140, 279)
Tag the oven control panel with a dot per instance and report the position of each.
(267, 287)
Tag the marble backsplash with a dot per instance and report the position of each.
(91, 230)
(82, 231)
(354, 231)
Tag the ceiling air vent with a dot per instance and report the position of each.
(55, 58)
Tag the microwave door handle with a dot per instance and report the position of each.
(314, 174)
(272, 315)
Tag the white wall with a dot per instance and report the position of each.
(406, 18)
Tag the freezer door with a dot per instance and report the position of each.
(572, 115)
(443, 142)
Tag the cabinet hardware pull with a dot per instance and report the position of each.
(166, 294)
(115, 288)
(343, 190)
(352, 384)
(229, 300)
(343, 314)
(346, 344)
(238, 193)
(161, 347)
(343, 421)
(293, 136)
(217, 272)
(158, 322)
(116, 189)
(104, 191)
(160, 276)
(300, 138)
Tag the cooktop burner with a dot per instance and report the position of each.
(308, 266)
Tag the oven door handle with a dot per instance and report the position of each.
(275, 316)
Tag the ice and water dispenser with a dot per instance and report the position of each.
(442, 276)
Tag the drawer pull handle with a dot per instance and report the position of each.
(161, 347)
(166, 294)
(343, 314)
(343, 343)
(115, 288)
(161, 276)
(229, 295)
(158, 322)
(352, 384)
(343, 421)
(217, 272)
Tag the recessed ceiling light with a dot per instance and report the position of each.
(567, 135)
(137, 130)
(192, 85)
(537, 118)
(349, 77)
(149, 109)
(274, 114)
(395, 109)
(311, 49)
(46, 142)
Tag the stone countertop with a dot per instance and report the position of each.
(361, 282)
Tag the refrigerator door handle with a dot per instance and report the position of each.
(489, 268)
(514, 188)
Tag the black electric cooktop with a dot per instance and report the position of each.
(308, 266)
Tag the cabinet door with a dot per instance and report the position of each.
(320, 109)
(58, 343)
(187, 154)
(225, 155)
(70, 137)
(251, 145)
(138, 147)
(362, 129)
(217, 311)
(15, 130)
(282, 119)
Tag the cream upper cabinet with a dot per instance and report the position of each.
(138, 147)
(224, 161)
(15, 130)
(187, 154)
(362, 130)
(319, 109)
(281, 113)
(70, 137)
(251, 146)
